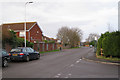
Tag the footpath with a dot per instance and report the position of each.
(91, 56)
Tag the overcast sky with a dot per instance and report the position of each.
(91, 16)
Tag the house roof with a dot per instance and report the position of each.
(19, 26)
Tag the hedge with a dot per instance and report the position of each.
(15, 41)
(110, 43)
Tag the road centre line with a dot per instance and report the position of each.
(77, 61)
(69, 74)
(71, 65)
(56, 76)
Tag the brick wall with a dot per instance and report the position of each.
(38, 47)
(45, 46)
(8, 47)
(36, 34)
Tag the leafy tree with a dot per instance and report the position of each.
(92, 43)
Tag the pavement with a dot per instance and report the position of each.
(91, 56)
(68, 63)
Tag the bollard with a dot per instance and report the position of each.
(101, 52)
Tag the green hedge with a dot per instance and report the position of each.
(110, 43)
(92, 43)
(15, 41)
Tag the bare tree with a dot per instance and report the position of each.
(91, 37)
(63, 34)
(70, 36)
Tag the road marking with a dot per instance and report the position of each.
(71, 65)
(80, 59)
(66, 77)
(77, 61)
(56, 76)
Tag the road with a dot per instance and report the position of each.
(64, 64)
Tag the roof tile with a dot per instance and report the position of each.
(18, 26)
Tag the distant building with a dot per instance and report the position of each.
(45, 38)
(48, 39)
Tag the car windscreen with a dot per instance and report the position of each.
(16, 50)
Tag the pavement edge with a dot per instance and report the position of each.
(100, 61)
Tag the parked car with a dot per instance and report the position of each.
(5, 57)
(24, 53)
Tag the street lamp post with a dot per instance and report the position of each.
(25, 22)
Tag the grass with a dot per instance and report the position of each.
(48, 51)
(108, 58)
(74, 47)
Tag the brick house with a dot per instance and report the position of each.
(49, 39)
(33, 30)
(33, 34)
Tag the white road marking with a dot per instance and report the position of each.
(56, 76)
(77, 61)
(69, 74)
(66, 77)
(80, 59)
(71, 65)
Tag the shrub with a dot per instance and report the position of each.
(110, 43)
(14, 41)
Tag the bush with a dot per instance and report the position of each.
(51, 42)
(14, 41)
(110, 43)
(92, 43)
(29, 44)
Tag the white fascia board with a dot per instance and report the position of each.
(32, 26)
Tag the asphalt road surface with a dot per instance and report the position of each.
(63, 64)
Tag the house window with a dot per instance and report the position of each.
(22, 34)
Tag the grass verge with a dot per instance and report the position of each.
(108, 58)
(74, 48)
(48, 51)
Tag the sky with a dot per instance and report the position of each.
(91, 16)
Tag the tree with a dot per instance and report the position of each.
(10, 37)
(63, 34)
(70, 36)
(5, 37)
(91, 37)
